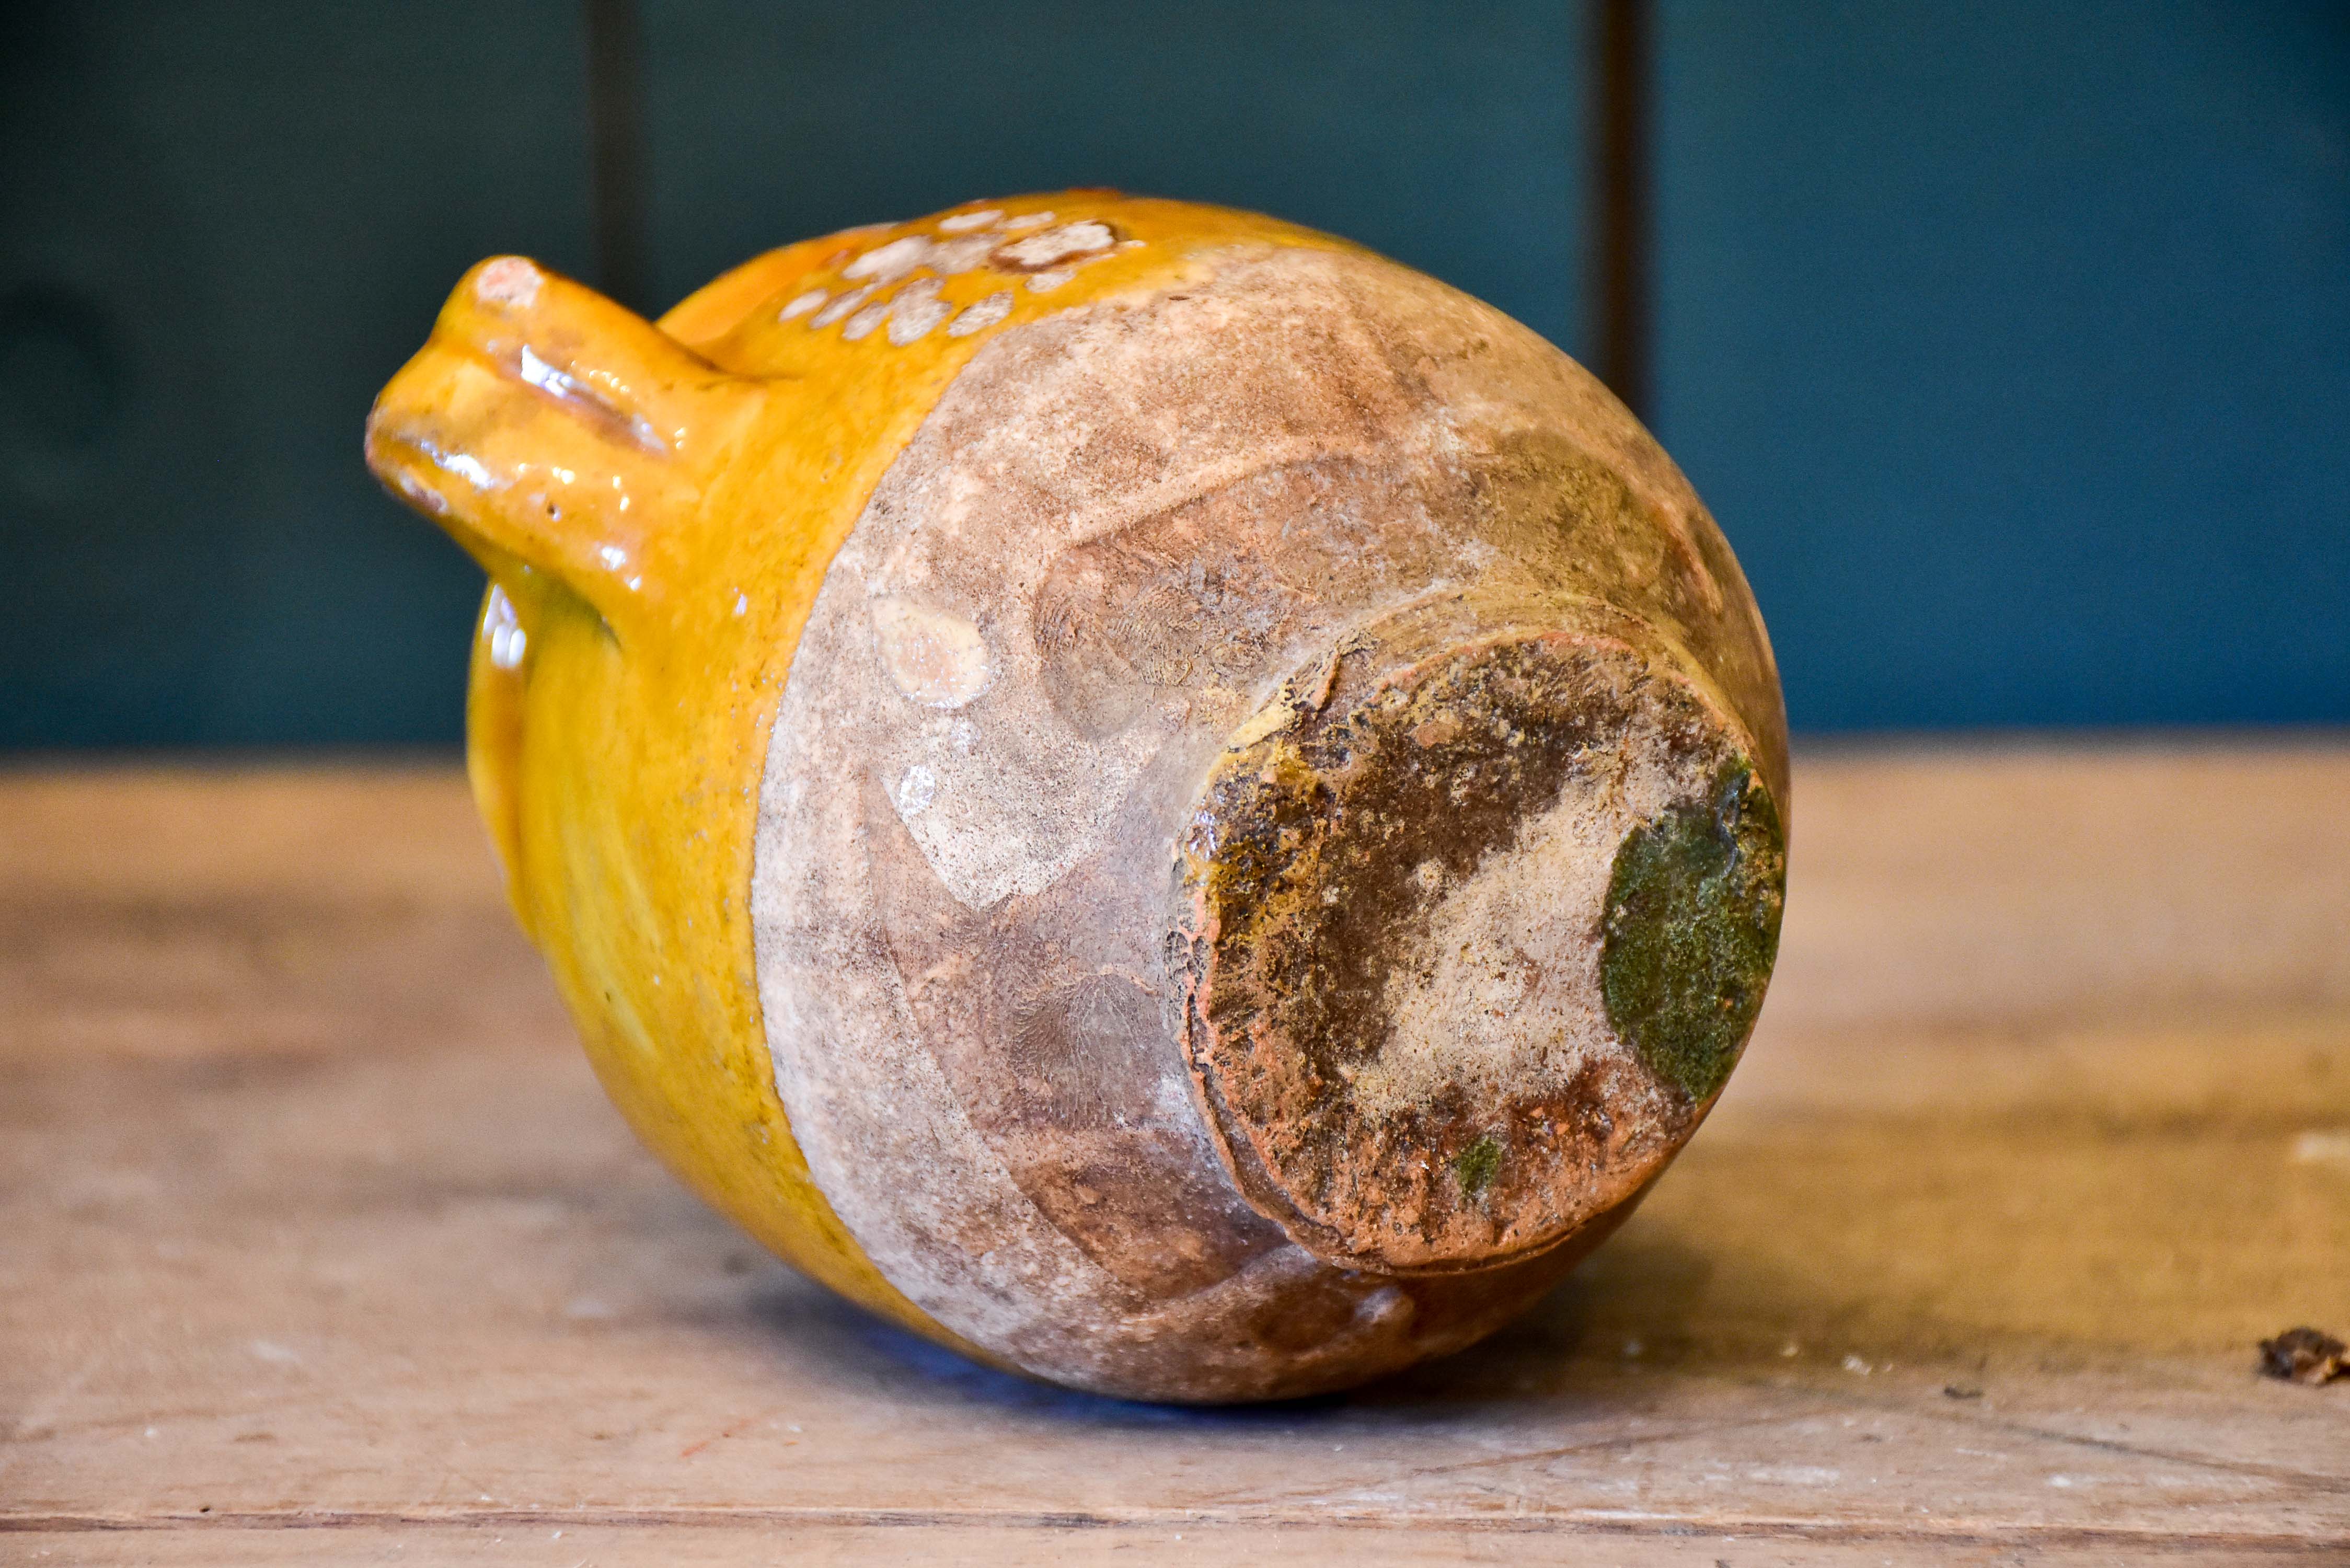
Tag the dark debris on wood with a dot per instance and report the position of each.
(2304, 1356)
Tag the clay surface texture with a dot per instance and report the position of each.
(1184, 866)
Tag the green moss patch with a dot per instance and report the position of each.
(1692, 929)
(1477, 1165)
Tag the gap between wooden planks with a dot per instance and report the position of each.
(318, 1244)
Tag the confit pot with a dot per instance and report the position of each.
(1140, 790)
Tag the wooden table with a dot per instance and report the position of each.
(318, 1245)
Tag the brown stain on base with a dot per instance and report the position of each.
(1408, 1075)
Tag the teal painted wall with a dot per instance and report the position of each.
(1450, 136)
(2009, 343)
(221, 226)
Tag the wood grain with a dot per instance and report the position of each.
(318, 1244)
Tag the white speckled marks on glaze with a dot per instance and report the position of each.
(862, 324)
(916, 310)
(981, 315)
(1053, 248)
(839, 306)
(1021, 247)
(889, 263)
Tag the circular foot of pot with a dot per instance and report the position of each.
(1474, 921)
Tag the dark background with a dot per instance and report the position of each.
(2010, 342)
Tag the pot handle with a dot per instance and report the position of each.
(544, 425)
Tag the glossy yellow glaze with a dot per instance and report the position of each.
(656, 508)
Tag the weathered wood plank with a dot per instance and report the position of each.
(705, 1544)
(728, 1543)
(310, 1214)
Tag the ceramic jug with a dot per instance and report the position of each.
(1140, 790)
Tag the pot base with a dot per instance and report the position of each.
(1418, 889)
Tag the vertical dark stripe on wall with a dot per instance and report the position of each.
(616, 79)
(1619, 216)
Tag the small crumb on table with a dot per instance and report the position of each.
(2304, 1356)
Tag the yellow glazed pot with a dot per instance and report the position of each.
(1139, 790)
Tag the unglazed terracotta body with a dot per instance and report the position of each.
(1145, 792)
